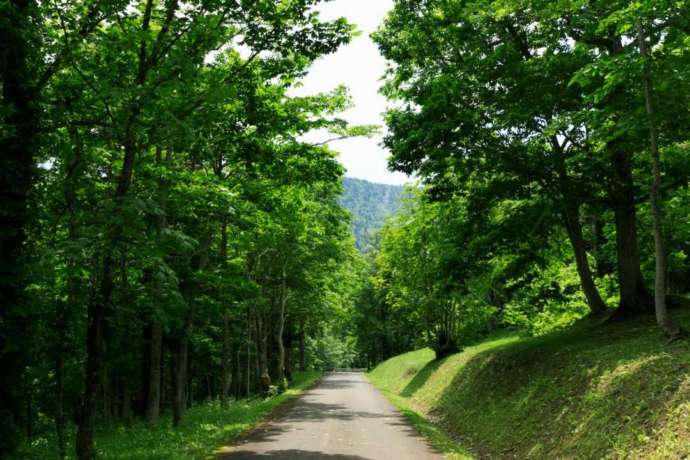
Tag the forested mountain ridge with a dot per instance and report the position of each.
(369, 203)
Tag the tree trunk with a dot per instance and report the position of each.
(179, 400)
(165, 379)
(302, 348)
(574, 229)
(225, 362)
(598, 240)
(280, 359)
(126, 413)
(236, 377)
(225, 358)
(153, 404)
(249, 354)
(94, 347)
(156, 342)
(288, 363)
(634, 297)
(189, 293)
(60, 405)
(100, 306)
(106, 395)
(190, 393)
(29, 414)
(664, 321)
(73, 288)
(16, 177)
(262, 355)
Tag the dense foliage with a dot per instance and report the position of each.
(168, 237)
(538, 130)
(370, 205)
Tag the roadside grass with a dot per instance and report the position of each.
(435, 436)
(617, 390)
(204, 429)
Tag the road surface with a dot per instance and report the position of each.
(342, 418)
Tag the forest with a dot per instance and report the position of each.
(370, 205)
(176, 254)
(550, 139)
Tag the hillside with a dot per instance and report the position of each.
(369, 204)
(613, 391)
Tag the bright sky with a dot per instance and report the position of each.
(359, 66)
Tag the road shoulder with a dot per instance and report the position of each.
(434, 435)
(274, 409)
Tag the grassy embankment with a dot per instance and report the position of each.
(609, 391)
(204, 429)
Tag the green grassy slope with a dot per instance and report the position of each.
(610, 391)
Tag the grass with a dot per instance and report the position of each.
(435, 436)
(617, 390)
(204, 429)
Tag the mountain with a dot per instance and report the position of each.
(369, 204)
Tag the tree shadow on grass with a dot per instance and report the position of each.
(421, 377)
(569, 395)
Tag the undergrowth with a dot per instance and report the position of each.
(204, 429)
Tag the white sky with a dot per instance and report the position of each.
(359, 66)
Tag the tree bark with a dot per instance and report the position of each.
(94, 346)
(16, 177)
(29, 414)
(126, 413)
(73, 288)
(181, 362)
(153, 404)
(106, 395)
(101, 304)
(634, 297)
(248, 343)
(236, 375)
(225, 362)
(288, 362)
(262, 355)
(189, 293)
(156, 342)
(226, 352)
(60, 405)
(165, 379)
(598, 239)
(280, 360)
(302, 348)
(574, 229)
(664, 321)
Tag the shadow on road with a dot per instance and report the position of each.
(344, 418)
(292, 454)
(308, 410)
(338, 384)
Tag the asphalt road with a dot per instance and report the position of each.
(343, 418)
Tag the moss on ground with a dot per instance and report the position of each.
(616, 390)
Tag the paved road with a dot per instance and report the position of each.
(343, 418)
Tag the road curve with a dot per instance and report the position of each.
(342, 418)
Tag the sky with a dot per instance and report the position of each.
(359, 66)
